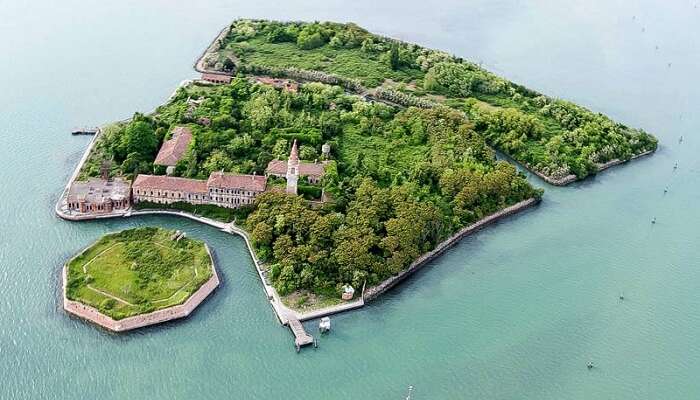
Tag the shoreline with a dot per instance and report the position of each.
(199, 64)
(572, 178)
(92, 315)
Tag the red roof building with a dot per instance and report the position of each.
(253, 183)
(172, 150)
(223, 190)
(169, 183)
(312, 171)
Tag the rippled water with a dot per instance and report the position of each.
(514, 312)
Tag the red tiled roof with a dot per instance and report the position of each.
(256, 183)
(279, 167)
(161, 182)
(172, 150)
(312, 169)
(294, 154)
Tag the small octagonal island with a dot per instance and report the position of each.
(138, 277)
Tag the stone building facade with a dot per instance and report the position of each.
(231, 190)
(217, 78)
(221, 189)
(167, 189)
(99, 196)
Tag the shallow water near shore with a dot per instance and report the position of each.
(513, 312)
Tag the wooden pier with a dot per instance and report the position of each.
(301, 338)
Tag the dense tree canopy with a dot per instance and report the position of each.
(554, 137)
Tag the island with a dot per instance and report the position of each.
(345, 160)
(138, 277)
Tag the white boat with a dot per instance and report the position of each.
(325, 325)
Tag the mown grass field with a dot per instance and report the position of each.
(138, 271)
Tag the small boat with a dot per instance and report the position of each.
(84, 131)
(590, 365)
(325, 325)
(653, 221)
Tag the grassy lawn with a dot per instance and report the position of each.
(203, 210)
(306, 301)
(138, 271)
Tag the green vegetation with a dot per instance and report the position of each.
(138, 271)
(554, 137)
(400, 180)
(203, 210)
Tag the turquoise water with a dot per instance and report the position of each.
(514, 312)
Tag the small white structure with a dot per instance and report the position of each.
(348, 292)
(325, 325)
(326, 150)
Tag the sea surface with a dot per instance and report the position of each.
(514, 312)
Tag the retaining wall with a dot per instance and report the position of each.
(138, 321)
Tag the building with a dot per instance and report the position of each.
(284, 84)
(233, 190)
(168, 189)
(221, 189)
(99, 196)
(216, 78)
(174, 148)
(293, 168)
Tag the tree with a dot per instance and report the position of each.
(262, 234)
(218, 161)
(310, 38)
(394, 59)
(139, 137)
(307, 153)
(229, 65)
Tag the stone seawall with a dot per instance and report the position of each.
(572, 178)
(373, 292)
(138, 321)
(612, 163)
(199, 64)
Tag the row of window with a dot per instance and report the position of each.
(98, 206)
(232, 191)
(196, 196)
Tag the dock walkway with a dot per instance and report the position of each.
(301, 338)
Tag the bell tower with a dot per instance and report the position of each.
(293, 169)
